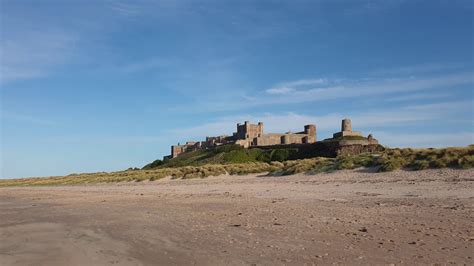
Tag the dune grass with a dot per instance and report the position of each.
(225, 154)
(388, 160)
(184, 172)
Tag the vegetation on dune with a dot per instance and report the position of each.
(236, 161)
(389, 160)
(418, 159)
(227, 154)
(185, 172)
(313, 165)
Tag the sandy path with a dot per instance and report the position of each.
(349, 217)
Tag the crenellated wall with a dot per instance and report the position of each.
(250, 135)
(249, 131)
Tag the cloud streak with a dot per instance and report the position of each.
(408, 116)
(357, 88)
(290, 87)
(33, 54)
(124, 8)
(315, 90)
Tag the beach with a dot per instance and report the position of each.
(343, 217)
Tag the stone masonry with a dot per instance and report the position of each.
(252, 135)
(346, 130)
(249, 135)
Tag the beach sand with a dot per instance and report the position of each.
(344, 217)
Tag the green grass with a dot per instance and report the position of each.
(220, 155)
(242, 161)
(227, 154)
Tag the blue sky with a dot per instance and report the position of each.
(105, 85)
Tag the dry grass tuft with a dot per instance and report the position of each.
(389, 160)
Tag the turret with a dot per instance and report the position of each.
(346, 125)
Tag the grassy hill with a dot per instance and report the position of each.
(388, 160)
(229, 154)
(235, 161)
(237, 154)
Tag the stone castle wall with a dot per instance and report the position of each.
(255, 136)
(177, 150)
(249, 135)
(249, 131)
(252, 135)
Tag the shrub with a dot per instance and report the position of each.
(280, 155)
(387, 164)
(152, 165)
(305, 165)
(227, 148)
(419, 165)
(345, 163)
(237, 156)
(438, 164)
(264, 157)
(466, 162)
(356, 161)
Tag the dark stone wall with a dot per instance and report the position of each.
(324, 149)
(357, 149)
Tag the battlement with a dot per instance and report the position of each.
(252, 135)
(248, 130)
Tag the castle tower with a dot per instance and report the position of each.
(346, 130)
(176, 150)
(249, 131)
(285, 139)
(260, 129)
(346, 125)
(310, 130)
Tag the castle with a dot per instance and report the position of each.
(249, 135)
(252, 135)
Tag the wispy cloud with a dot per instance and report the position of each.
(124, 8)
(315, 90)
(33, 54)
(305, 82)
(330, 123)
(280, 90)
(358, 88)
(289, 87)
(35, 44)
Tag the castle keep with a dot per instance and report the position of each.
(249, 135)
(252, 135)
